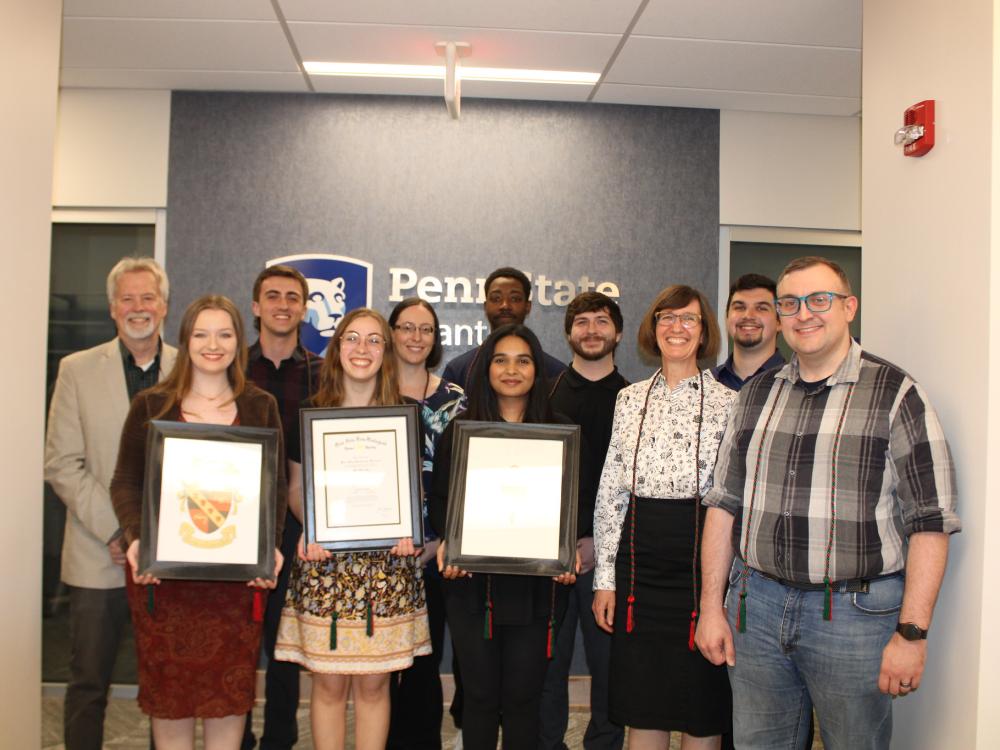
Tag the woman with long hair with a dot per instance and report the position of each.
(196, 642)
(500, 624)
(352, 618)
(417, 698)
(647, 528)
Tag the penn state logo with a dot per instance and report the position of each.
(337, 284)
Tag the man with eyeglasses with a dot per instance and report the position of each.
(508, 300)
(834, 480)
(753, 324)
(280, 365)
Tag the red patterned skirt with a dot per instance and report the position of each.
(197, 650)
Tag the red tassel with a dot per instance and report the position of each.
(630, 618)
(548, 642)
(258, 606)
(694, 620)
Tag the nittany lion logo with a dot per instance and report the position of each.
(336, 285)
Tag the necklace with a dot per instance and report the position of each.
(427, 384)
(205, 396)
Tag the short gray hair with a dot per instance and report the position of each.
(130, 264)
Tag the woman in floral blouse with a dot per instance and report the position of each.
(647, 525)
(417, 698)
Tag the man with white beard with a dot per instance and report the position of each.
(752, 323)
(89, 405)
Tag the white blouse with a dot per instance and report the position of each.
(665, 468)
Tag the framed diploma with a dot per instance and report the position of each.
(361, 477)
(512, 499)
(209, 500)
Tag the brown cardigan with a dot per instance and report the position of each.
(255, 408)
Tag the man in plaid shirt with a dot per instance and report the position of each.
(835, 489)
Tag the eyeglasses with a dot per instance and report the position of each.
(409, 329)
(667, 319)
(815, 302)
(373, 340)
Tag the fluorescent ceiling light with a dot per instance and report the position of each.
(375, 70)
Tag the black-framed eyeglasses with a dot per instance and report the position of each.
(816, 302)
(409, 329)
(667, 319)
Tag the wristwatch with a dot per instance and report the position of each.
(911, 632)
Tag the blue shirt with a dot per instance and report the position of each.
(726, 375)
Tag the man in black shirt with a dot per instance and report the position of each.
(280, 365)
(586, 393)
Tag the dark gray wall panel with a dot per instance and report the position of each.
(624, 194)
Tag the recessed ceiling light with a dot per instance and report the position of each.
(376, 70)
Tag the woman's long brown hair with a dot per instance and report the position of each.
(331, 376)
(177, 384)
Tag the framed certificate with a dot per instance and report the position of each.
(209, 498)
(361, 476)
(512, 499)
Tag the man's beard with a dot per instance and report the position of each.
(139, 332)
(608, 347)
(749, 341)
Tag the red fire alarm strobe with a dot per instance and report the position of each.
(917, 134)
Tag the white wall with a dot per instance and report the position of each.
(29, 76)
(930, 305)
(780, 170)
(112, 148)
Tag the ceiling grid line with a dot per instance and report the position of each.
(618, 49)
(291, 44)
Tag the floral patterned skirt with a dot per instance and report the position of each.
(356, 613)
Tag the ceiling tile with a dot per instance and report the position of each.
(175, 45)
(246, 10)
(613, 93)
(611, 16)
(738, 66)
(181, 80)
(414, 45)
(835, 23)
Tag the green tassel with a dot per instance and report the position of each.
(741, 615)
(333, 632)
(827, 599)
(150, 598)
(370, 625)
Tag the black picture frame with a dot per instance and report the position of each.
(394, 432)
(568, 437)
(251, 476)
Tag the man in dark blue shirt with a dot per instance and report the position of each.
(752, 323)
(508, 300)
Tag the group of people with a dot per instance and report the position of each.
(755, 540)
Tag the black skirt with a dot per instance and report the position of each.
(657, 681)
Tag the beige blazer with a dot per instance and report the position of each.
(88, 409)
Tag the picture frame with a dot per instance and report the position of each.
(361, 476)
(513, 489)
(209, 502)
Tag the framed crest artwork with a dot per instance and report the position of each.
(512, 498)
(361, 477)
(208, 510)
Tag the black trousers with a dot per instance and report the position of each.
(416, 695)
(281, 681)
(503, 679)
(97, 618)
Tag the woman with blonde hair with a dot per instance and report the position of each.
(196, 641)
(353, 618)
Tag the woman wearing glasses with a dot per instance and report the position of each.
(417, 699)
(352, 618)
(647, 529)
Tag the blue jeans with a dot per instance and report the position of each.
(791, 660)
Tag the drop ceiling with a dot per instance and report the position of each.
(793, 56)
